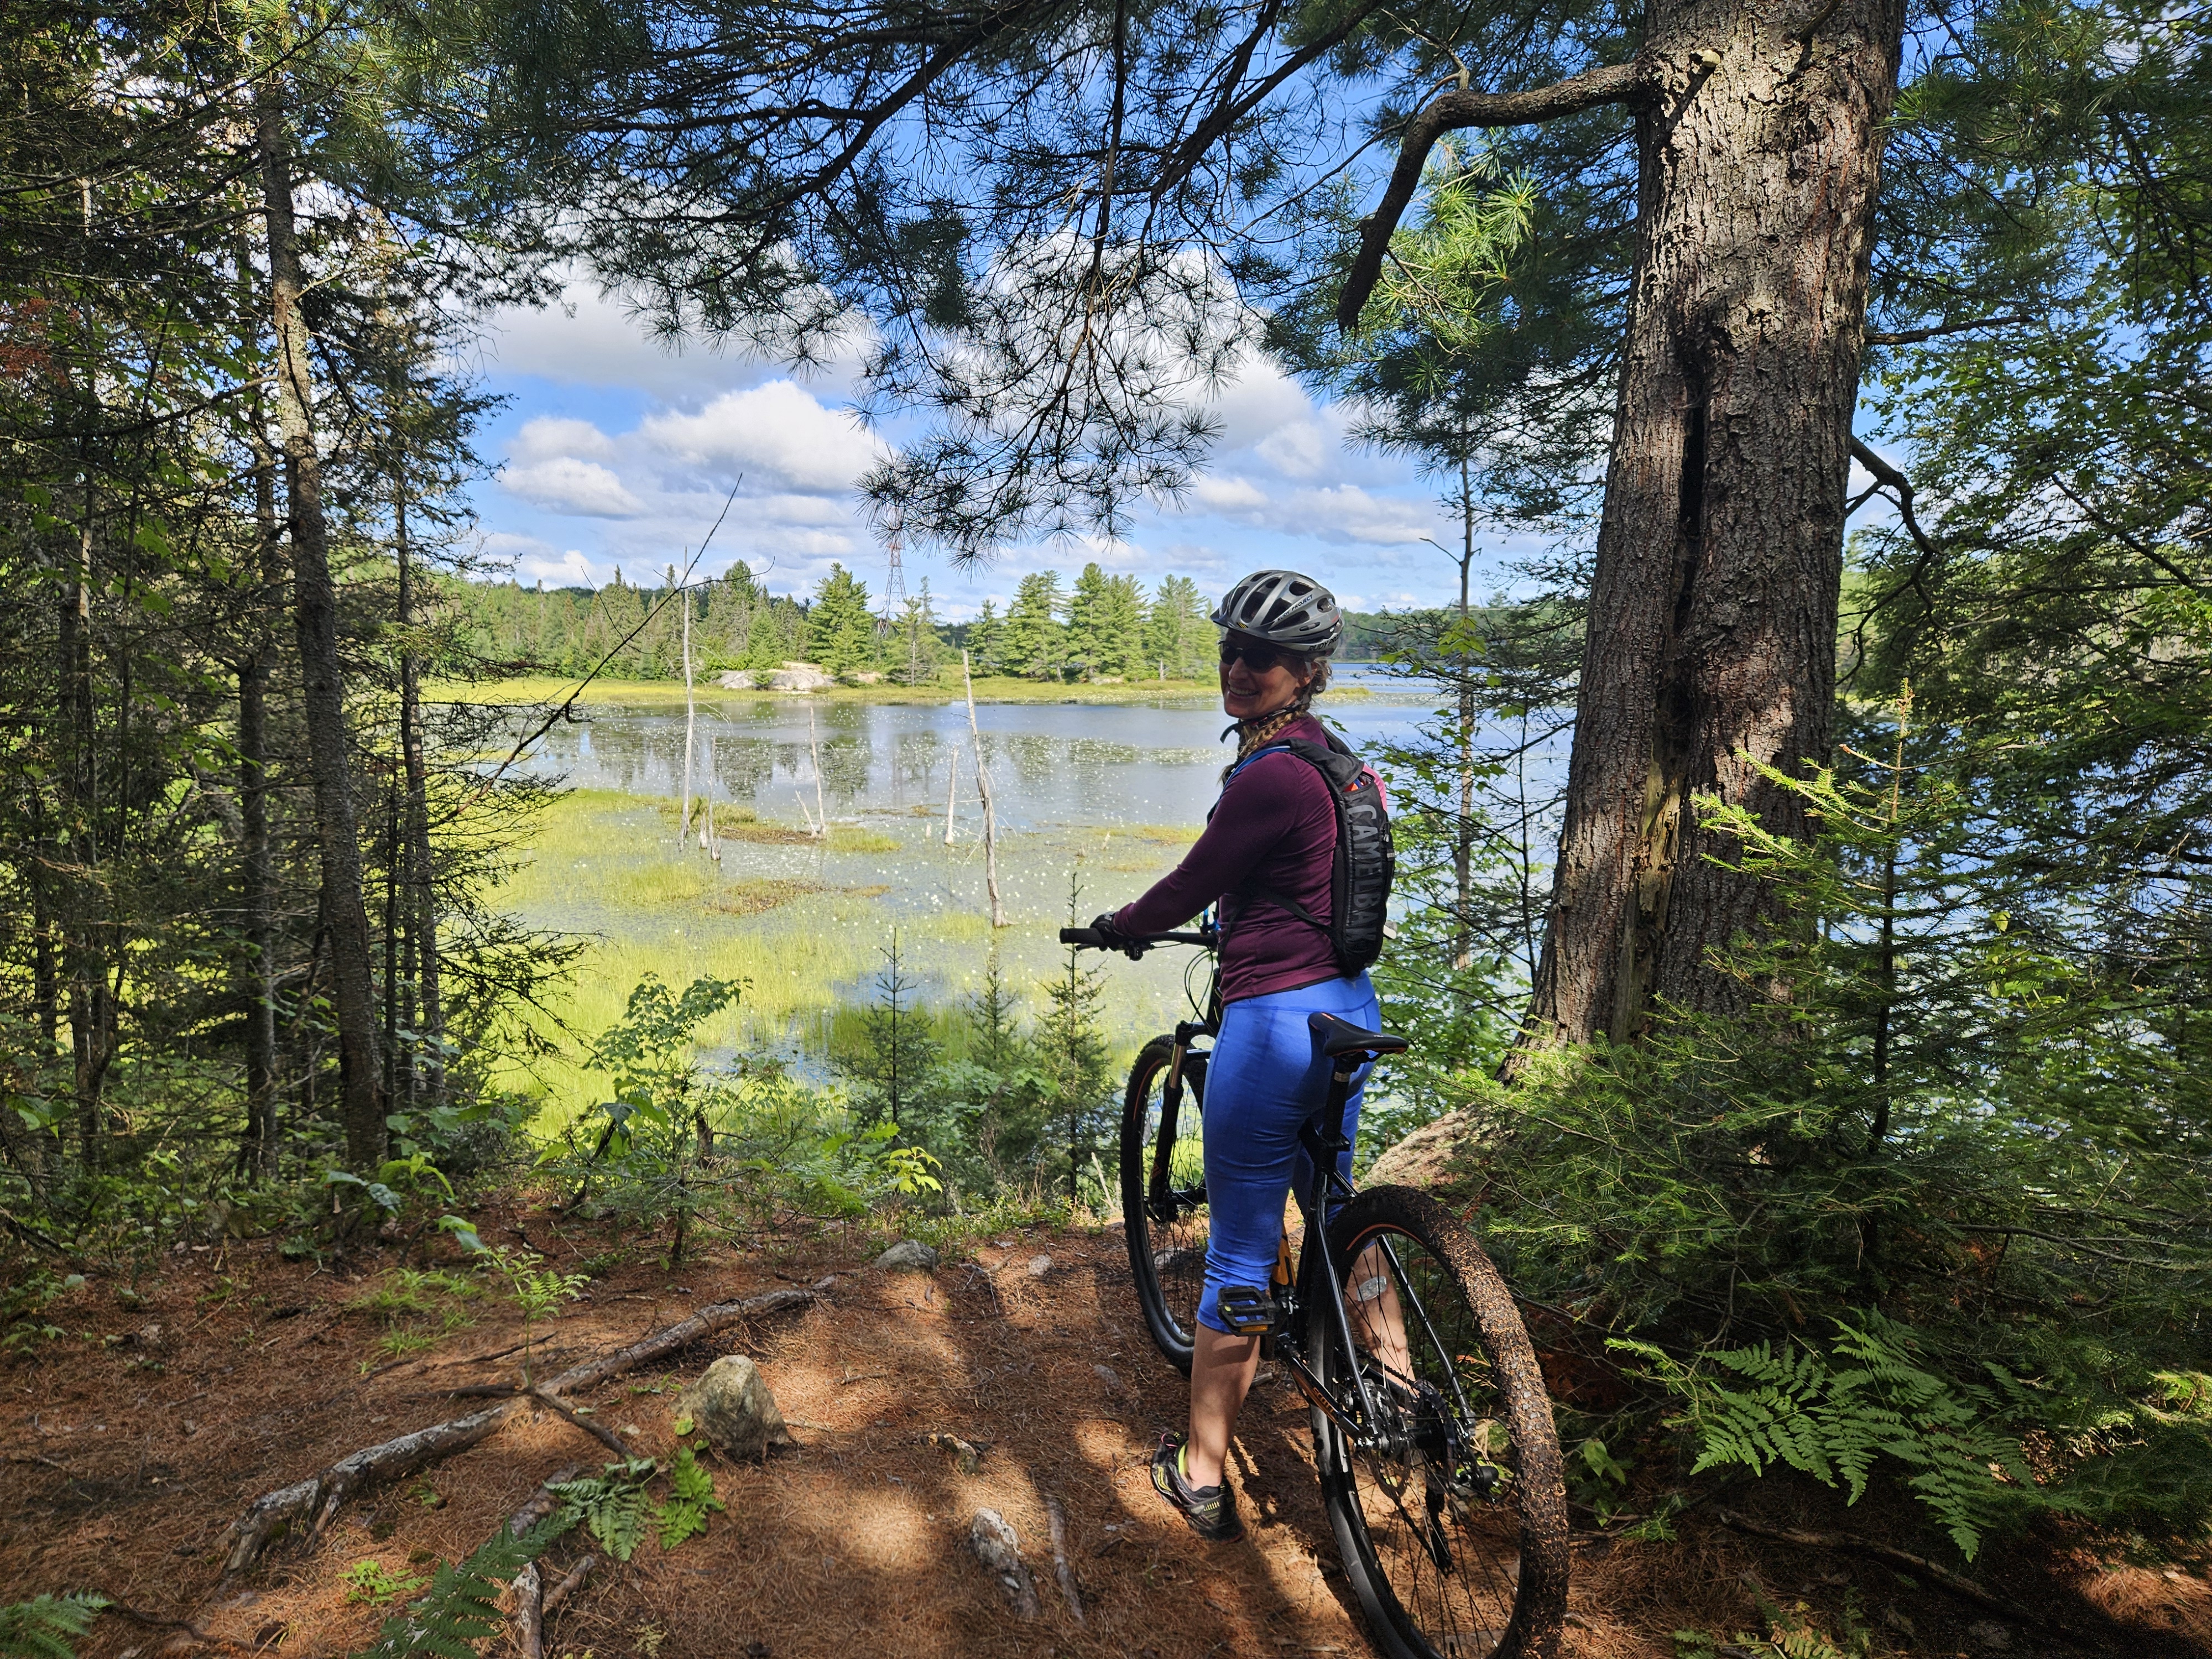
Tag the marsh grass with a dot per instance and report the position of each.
(803, 921)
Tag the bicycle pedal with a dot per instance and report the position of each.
(1246, 1309)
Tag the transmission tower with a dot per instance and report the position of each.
(894, 586)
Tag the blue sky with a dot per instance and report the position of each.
(615, 451)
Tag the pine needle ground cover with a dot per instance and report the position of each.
(129, 1453)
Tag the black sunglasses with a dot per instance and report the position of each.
(1259, 657)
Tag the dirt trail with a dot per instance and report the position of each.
(127, 1460)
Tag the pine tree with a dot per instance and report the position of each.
(1034, 643)
(892, 1066)
(985, 636)
(994, 1114)
(1070, 1049)
(917, 649)
(1176, 630)
(1122, 627)
(840, 634)
(1088, 628)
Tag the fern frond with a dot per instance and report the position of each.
(461, 1607)
(38, 1628)
(613, 1506)
(692, 1497)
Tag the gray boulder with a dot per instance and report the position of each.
(801, 676)
(731, 1405)
(999, 1549)
(908, 1255)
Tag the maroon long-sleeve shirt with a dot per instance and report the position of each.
(1275, 825)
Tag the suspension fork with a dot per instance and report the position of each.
(1157, 1193)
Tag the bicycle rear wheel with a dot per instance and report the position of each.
(1166, 1218)
(1453, 1518)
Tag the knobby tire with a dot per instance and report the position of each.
(1167, 1258)
(1459, 1553)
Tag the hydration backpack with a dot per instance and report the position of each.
(1359, 880)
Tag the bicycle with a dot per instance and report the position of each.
(1439, 1462)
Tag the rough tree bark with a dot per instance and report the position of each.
(1711, 634)
(427, 1018)
(1712, 618)
(315, 601)
(258, 876)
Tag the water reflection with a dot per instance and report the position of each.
(1154, 763)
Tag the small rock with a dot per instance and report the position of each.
(189, 1427)
(1110, 1377)
(731, 1405)
(1040, 1266)
(965, 1458)
(999, 1549)
(908, 1255)
(1988, 1635)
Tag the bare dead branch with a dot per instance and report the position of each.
(315, 1500)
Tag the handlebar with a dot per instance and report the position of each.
(1090, 939)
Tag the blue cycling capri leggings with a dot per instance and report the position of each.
(1266, 1078)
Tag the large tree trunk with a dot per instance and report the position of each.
(260, 874)
(1711, 639)
(427, 1070)
(314, 600)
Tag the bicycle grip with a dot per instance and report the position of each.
(1085, 938)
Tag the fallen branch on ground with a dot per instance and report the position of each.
(1072, 1593)
(1957, 1583)
(318, 1499)
(529, 1618)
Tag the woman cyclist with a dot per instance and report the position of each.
(1271, 837)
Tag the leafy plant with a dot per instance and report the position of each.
(537, 1292)
(41, 1627)
(616, 1506)
(613, 1506)
(690, 1496)
(1795, 1407)
(461, 1607)
(372, 1583)
(23, 1324)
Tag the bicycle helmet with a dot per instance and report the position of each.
(1285, 608)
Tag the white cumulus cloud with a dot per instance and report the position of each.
(777, 429)
(562, 484)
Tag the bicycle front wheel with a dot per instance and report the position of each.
(1164, 1196)
(1451, 1508)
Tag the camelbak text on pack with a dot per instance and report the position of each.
(1366, 860)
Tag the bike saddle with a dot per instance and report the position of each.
(1340, 1036)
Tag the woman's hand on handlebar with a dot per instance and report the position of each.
(1103, 935)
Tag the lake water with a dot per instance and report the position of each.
(1101, 797)
(1052, 765)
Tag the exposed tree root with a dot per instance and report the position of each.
(1934, 1571)
(315, 1500)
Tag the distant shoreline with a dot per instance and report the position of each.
(994, 688)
